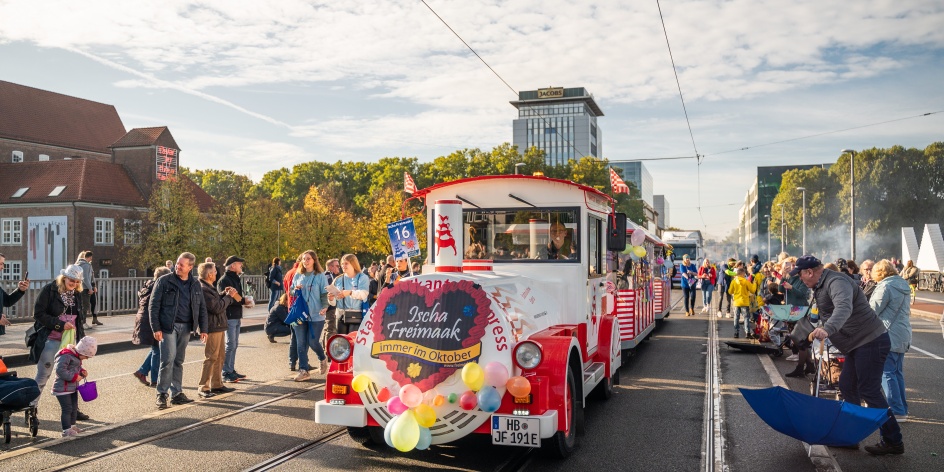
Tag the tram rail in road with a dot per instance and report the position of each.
(182, 429)
(297, 451)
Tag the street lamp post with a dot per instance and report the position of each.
(517, 166)
(803, 189)
(768, 237)
(852, 155)
(278, 238)
(782, 230)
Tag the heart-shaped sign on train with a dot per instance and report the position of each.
(425, 335)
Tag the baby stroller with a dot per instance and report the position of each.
(829, 362)
(15, 396)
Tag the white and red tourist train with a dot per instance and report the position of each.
(508, 331)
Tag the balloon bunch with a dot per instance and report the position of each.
(482, 385)
(638, 251)
(413, 412)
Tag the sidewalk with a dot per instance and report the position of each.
(113, 336)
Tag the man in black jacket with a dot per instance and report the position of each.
(274, 281)
(177, 308)
(9, 299)
(234, 316)
(854, 329)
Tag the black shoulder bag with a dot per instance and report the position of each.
(351, 315)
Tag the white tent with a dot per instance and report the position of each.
(931, 253)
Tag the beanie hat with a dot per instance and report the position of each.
(86, 346)
(73, 272)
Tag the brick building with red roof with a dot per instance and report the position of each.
(72, 179)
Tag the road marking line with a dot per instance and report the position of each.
(922, 351)
(819, 455)
(713, 441)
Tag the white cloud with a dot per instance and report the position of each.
(752, 71)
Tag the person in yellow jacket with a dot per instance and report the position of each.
(741, 291)
(760, 283)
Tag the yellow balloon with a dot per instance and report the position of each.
(473, 376)
(425, 415)
(360, 383)
(639, 251)
(406, 432)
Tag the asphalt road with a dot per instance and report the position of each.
(654, 421)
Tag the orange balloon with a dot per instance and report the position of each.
(518, 386)
(383, 395)
(438, 400)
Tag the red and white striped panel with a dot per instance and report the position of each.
(626, 313)
(658, 295)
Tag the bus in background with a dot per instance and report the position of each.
(684, 242)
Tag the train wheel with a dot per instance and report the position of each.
(563, 443)
(370, 436)
(604, 390)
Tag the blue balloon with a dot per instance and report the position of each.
(489, 399)
(388, 429)
(426, 438)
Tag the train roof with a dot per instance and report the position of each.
(585, 188)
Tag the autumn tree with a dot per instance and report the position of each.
(324, 225)
(173, 224)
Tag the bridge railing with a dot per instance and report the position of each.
(116, 295)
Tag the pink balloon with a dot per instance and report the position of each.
(395, 406)
(496, 374)
(411, 395)
(637, 238)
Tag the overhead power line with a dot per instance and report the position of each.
(685, 110)
(745, 148)
(677, 83)
(827, 132)
(513, 90)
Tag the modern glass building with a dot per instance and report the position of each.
(661, 205)
(757, 203)
(560, 121)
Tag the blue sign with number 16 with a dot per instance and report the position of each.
(403, 239)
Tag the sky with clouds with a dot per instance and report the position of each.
(254, 86)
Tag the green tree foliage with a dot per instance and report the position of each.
(895, 188)
(172, 225)
(385, 207)
(247, 222)
(323, 224)
(345, 206)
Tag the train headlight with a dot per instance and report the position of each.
(339, 348)
(528, 355)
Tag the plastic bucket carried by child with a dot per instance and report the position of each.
(88, 391)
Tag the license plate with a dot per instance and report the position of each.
(516, 431)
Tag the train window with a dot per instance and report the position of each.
(594, 254)
(515, 235)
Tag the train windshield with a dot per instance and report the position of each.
(516, 235)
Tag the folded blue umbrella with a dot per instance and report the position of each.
(814, 420)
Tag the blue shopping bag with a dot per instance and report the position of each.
(298, 313)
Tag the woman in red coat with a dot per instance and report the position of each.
(708, 276)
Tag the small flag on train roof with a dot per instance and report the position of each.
(617, 183)
(408, 185)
